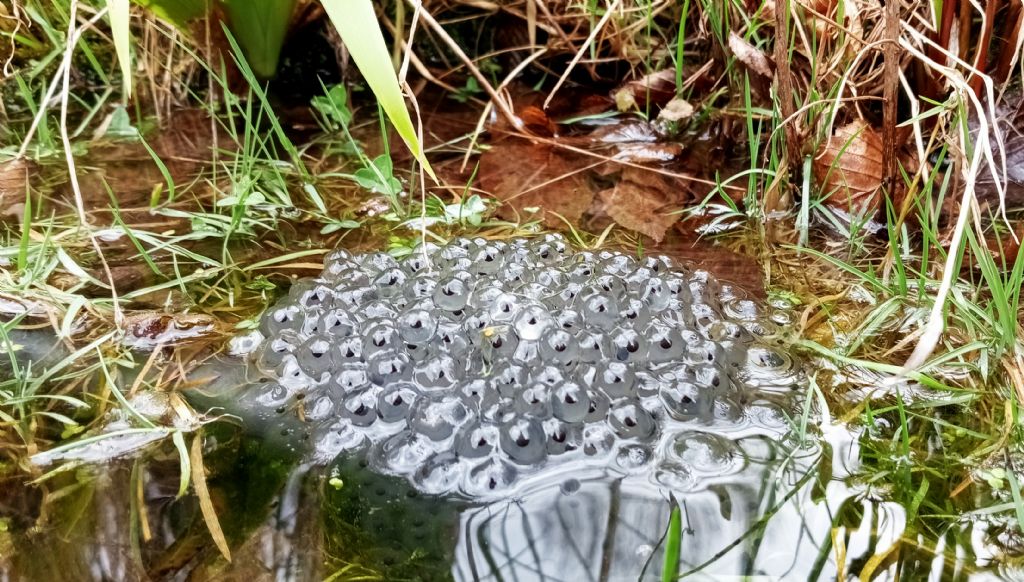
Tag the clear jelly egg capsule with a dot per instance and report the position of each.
(493, 474)
(352, 377)
(615, 264)
(527, 353)
(600, 310)
(616, 379)
(437, 373)
(291, 374)
(534, 400)
(568, 320)
(319, 295)
(533, 291)
(514, 274)
(421, 287)
(320, 408)
(551, 278)
(350, 349)
(272, 353)
(506, 377)
(360, 408)
(566, 295)
(635, 313)
(634, 457)
(570, 402)
(598, 440)
(628, 345)
(548, 375)
(477, 440)
(280, 319)
(704, 453)
(665, 344)
(441, 473)
(417, 326)
(524, 441)
(655, 294)
(597, 410)
(504, 308)
(377, 263)
(437, 417)
(378, 310)
(630, 421)
(687, 401)
(395, 402)
(562, 437)
(451, 294)
(403, 452)
(380, 336)
(532, 322)
(451, 339)
(316, 356)
(336, 323)
(594, 347)
(416, 262)
(499, 342)
(610, 285)
(486, 260)
(388, 366)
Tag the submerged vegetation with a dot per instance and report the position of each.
(168, 168)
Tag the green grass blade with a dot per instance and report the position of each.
(670, 566)
(120, 15)
(357, 24)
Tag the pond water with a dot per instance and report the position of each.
(758, 484)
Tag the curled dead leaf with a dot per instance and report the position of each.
(751, 57)
(848, 168)
(149, 329)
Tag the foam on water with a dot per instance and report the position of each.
(474, 367)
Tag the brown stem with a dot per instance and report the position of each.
(891, 89)
(981, 59)
(1014, 22)
(784, 76)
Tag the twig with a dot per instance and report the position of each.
(503, 107)
(890, 94)
(583, 49)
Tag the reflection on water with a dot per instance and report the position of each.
(788, 513)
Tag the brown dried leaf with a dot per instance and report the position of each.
(656, 88)
(149, 329)
(525, 176)
(676, 110)
(642, 200)
(848, 168)
(750, 56)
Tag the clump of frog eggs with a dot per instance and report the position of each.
(470, 367)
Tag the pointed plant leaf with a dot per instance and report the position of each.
(120, 13)
(357, 24)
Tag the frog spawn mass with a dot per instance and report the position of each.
(471, 367)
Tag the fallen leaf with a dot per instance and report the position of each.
(750, 56)
(149, 329)
(656, 89)
(848, 168)
(524, 176)
(643, 200)
(14, 176)
(676, 110)
(536, 122)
